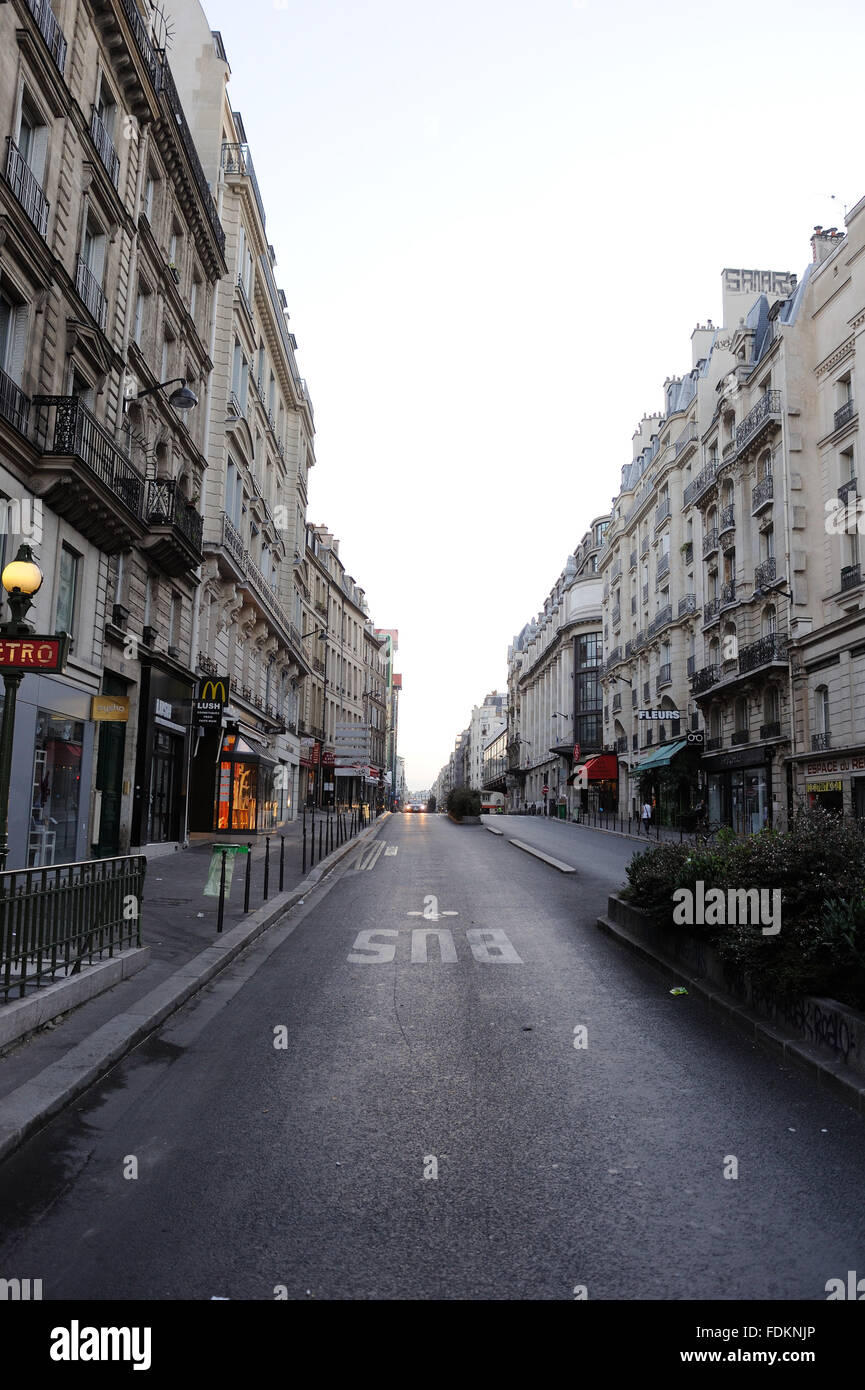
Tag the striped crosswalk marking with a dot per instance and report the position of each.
(370, 858)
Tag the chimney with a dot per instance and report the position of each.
(823, 243)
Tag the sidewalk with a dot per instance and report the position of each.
(178, 923)
(628, 829)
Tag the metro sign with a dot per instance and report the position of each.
(34, 653)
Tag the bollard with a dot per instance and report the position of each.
(303, 867)
(320, 829)
(248, 873)
(281, 860)
(221, 911)
(266, 865)
(312, 843)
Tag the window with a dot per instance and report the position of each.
(13, 336)
(148, 201)
(105, 106)
(31, 137)
(769, 622)
(93, 248)
(141, 310)
(771, 705)
(167, 348)
(194, 286)
(67, 590)
(821, 708)
(742, 715)
(176, 613)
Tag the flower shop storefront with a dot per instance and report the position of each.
(739, 789)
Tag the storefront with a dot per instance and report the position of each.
(247, 796)
(666, 779)
(596, 785)
(835, 783)
(739, 790)
(159, 797)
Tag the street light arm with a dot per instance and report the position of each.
(149, 390)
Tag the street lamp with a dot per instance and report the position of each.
(182, 399)
(22, 578)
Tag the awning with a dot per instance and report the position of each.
(663, 756)
(603, 768)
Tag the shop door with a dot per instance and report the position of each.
(109, 774)
(162, 788)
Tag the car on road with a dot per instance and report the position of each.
(415, 806)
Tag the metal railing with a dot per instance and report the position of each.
(644, 548)
(844, 414)
(773, 647)
(740, 736)
(705, 678)
(101, 138)
(688, 604)
(662, 512)
(661, 618)
(167, 507)
(728, 593)
(79, 434)
(14, 405)
(188, 143)
(617, 615)
(617, 702)
(728, 518)
(664, 676)
(846, 490)
(688, 553)
(771, 730)
(56, 918)
(767, 406)
(688, 436)
(233, 543)
(207, 666)
(710, 542)
(851, 575)
(645, 593)
(820, 741)
(91, 292)
(632, 559)
(663, 564)
(50, 30)
(25, 186)
(701, 484)
(711, 610)
(765, 572)
(236, 159)
(716, 741)
(763, 493)
(690, 665)
(142, 41)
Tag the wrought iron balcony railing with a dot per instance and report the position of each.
(728, 593)
(705, 678)
(664, 564)
(14, 405)
(236, 159)
(688, 553)
(766, 409)
(700, 485)
(765, 573)
(847, 490)
(233, 543)
(632, 561)
(24, 185)
(662, 512)
(763, 493)
(710, 542)
(713, 742)
(79, 434)
(664, 676)
(167, 507)
(50, 30)
(617, 615)
(142, 42)
(844, 414)
(851, 575)
(91, 292)
(771, 730)
(617, 702)
(664, 616)
(644, 548)
(740, 736)
(688, 436)
(773, 647)
(728, 518)
(101, 138)
(174, 102)
(711, 610)
(645, 593)
(820, 742)
(688, 604)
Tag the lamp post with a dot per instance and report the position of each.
(22, 578)
(182, 399)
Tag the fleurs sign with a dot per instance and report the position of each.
(33, 653)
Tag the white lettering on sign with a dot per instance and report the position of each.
(164, 709)
(380, 951)
(491, 946)
(419, 939)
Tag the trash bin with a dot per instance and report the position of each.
(563, 811)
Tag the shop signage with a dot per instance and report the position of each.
(855, 764)
(576, 752)
(214, 688)
(34, 653)
(741, 758)
(696, 736)
(327, 757)
(110, 708)
(164, 709)
(826, 786)
(207, 713)
(663, 714)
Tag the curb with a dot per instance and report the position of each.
(559, 864)
(834, 1076)
(28, 1108)
(493, 831)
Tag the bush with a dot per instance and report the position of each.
(819, 866)
(462, 801)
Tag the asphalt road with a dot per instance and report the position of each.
(303, 1165)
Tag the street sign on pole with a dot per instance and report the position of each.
(576, 752)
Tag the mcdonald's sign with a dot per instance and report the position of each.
(214, 688)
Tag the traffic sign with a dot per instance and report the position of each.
(576, 752)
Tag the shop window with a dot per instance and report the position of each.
(55, 803)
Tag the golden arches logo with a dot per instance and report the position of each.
(214, 690)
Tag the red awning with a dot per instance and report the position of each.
(603, 768)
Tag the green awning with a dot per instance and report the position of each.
(662, 756)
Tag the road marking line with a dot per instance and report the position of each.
(391, 849)
(547, 858)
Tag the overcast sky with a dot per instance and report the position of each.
(497, 225)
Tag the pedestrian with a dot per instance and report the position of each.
(700, 813)
(646, 816)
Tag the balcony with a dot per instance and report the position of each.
(86, 476)
(616, 572)
(711, 610)
(50, 30)
(172, 97)
(728, 519)
(644, 548)
(728, 593)
(851, 576)
(820, 742)
(664, 565)
(704, 679)
(765, 413)
(14, 405)
(714, 742)
(847, 490)
(771, 730)
(701, 484)
(175, 528)
(639, 641)
(91, 293)
(622, 743)
(740, 736)
(20, 179)
(844, 414)
(710, 543)
(661, 513)
(614, 658)
(688, 437)
(763, 494)
(664, 616)
(688, 604)
(101, 138)
(664, 676)
(232, 542)
(617, 615)
(206, 666)
(237, 160)
(764, 574)
(762, 653)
